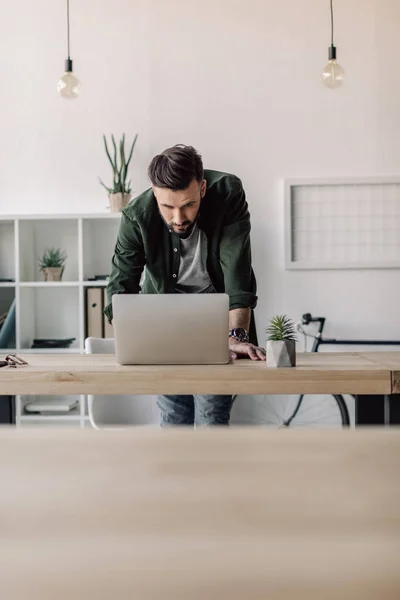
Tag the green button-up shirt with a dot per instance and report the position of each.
(145, 243)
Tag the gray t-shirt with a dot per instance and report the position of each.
(192, 276)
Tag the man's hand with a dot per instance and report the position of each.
(244, 349)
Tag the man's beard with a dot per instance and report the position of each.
(182, 234)
(186, 232)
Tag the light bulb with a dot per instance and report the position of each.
(69, 85)
(333, 74)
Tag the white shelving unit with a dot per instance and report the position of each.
(47, 309)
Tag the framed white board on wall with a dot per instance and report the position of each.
(342, 223)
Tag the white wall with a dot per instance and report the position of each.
(238, 80)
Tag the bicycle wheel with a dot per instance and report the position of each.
(313, 411)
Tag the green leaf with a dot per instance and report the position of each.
(52, 257)
(108, 153)
(281, 328)
(109, 190)
(122, 173)
(115, 153)
(119, 174)
(129, 159)
(131, 152)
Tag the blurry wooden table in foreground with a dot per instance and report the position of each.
(238, 514)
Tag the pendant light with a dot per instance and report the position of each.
(333, 74)
(69, 86)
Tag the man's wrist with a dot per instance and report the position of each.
(233, 342)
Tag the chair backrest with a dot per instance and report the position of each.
(121, 410)
(95, 345)
(7, 331)
(142, 410)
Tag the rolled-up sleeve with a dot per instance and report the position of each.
(235, 254)
(128, 262)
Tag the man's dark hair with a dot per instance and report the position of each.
(176, 167)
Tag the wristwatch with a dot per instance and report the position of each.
(240, 334)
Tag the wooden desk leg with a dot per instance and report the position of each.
(7, 410)
(394, 409)
(370, 410)
(378, 410)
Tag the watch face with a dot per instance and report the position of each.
(239, 333)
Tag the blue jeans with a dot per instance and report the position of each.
(189, 410)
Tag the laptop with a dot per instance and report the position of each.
(171, 329)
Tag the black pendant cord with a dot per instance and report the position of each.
(68, 62)
(69, 56)
(332, 48)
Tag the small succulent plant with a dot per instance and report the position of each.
(52, 257)
(120, 171)
(281, 329)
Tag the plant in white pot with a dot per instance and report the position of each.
(281, 342)
(52, 264)
(120, 192)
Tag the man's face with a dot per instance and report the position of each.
(180, 209)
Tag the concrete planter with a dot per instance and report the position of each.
(281, 354)
(119, 201)
(53, 273)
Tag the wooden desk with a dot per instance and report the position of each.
(322, 373)
(390, 360)
(205, 515)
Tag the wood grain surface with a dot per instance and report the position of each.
(322, 373)
(216, 514)
(390, 360)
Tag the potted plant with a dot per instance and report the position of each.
(281, 342)
(120, 192)
(52, 264)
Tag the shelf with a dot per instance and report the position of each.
(108, 215)
(72, 416)
(48, 421)
(48, 284)
(70, 350)
(52, 309)
(60, 216)
(98, 283)
(54, 284)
